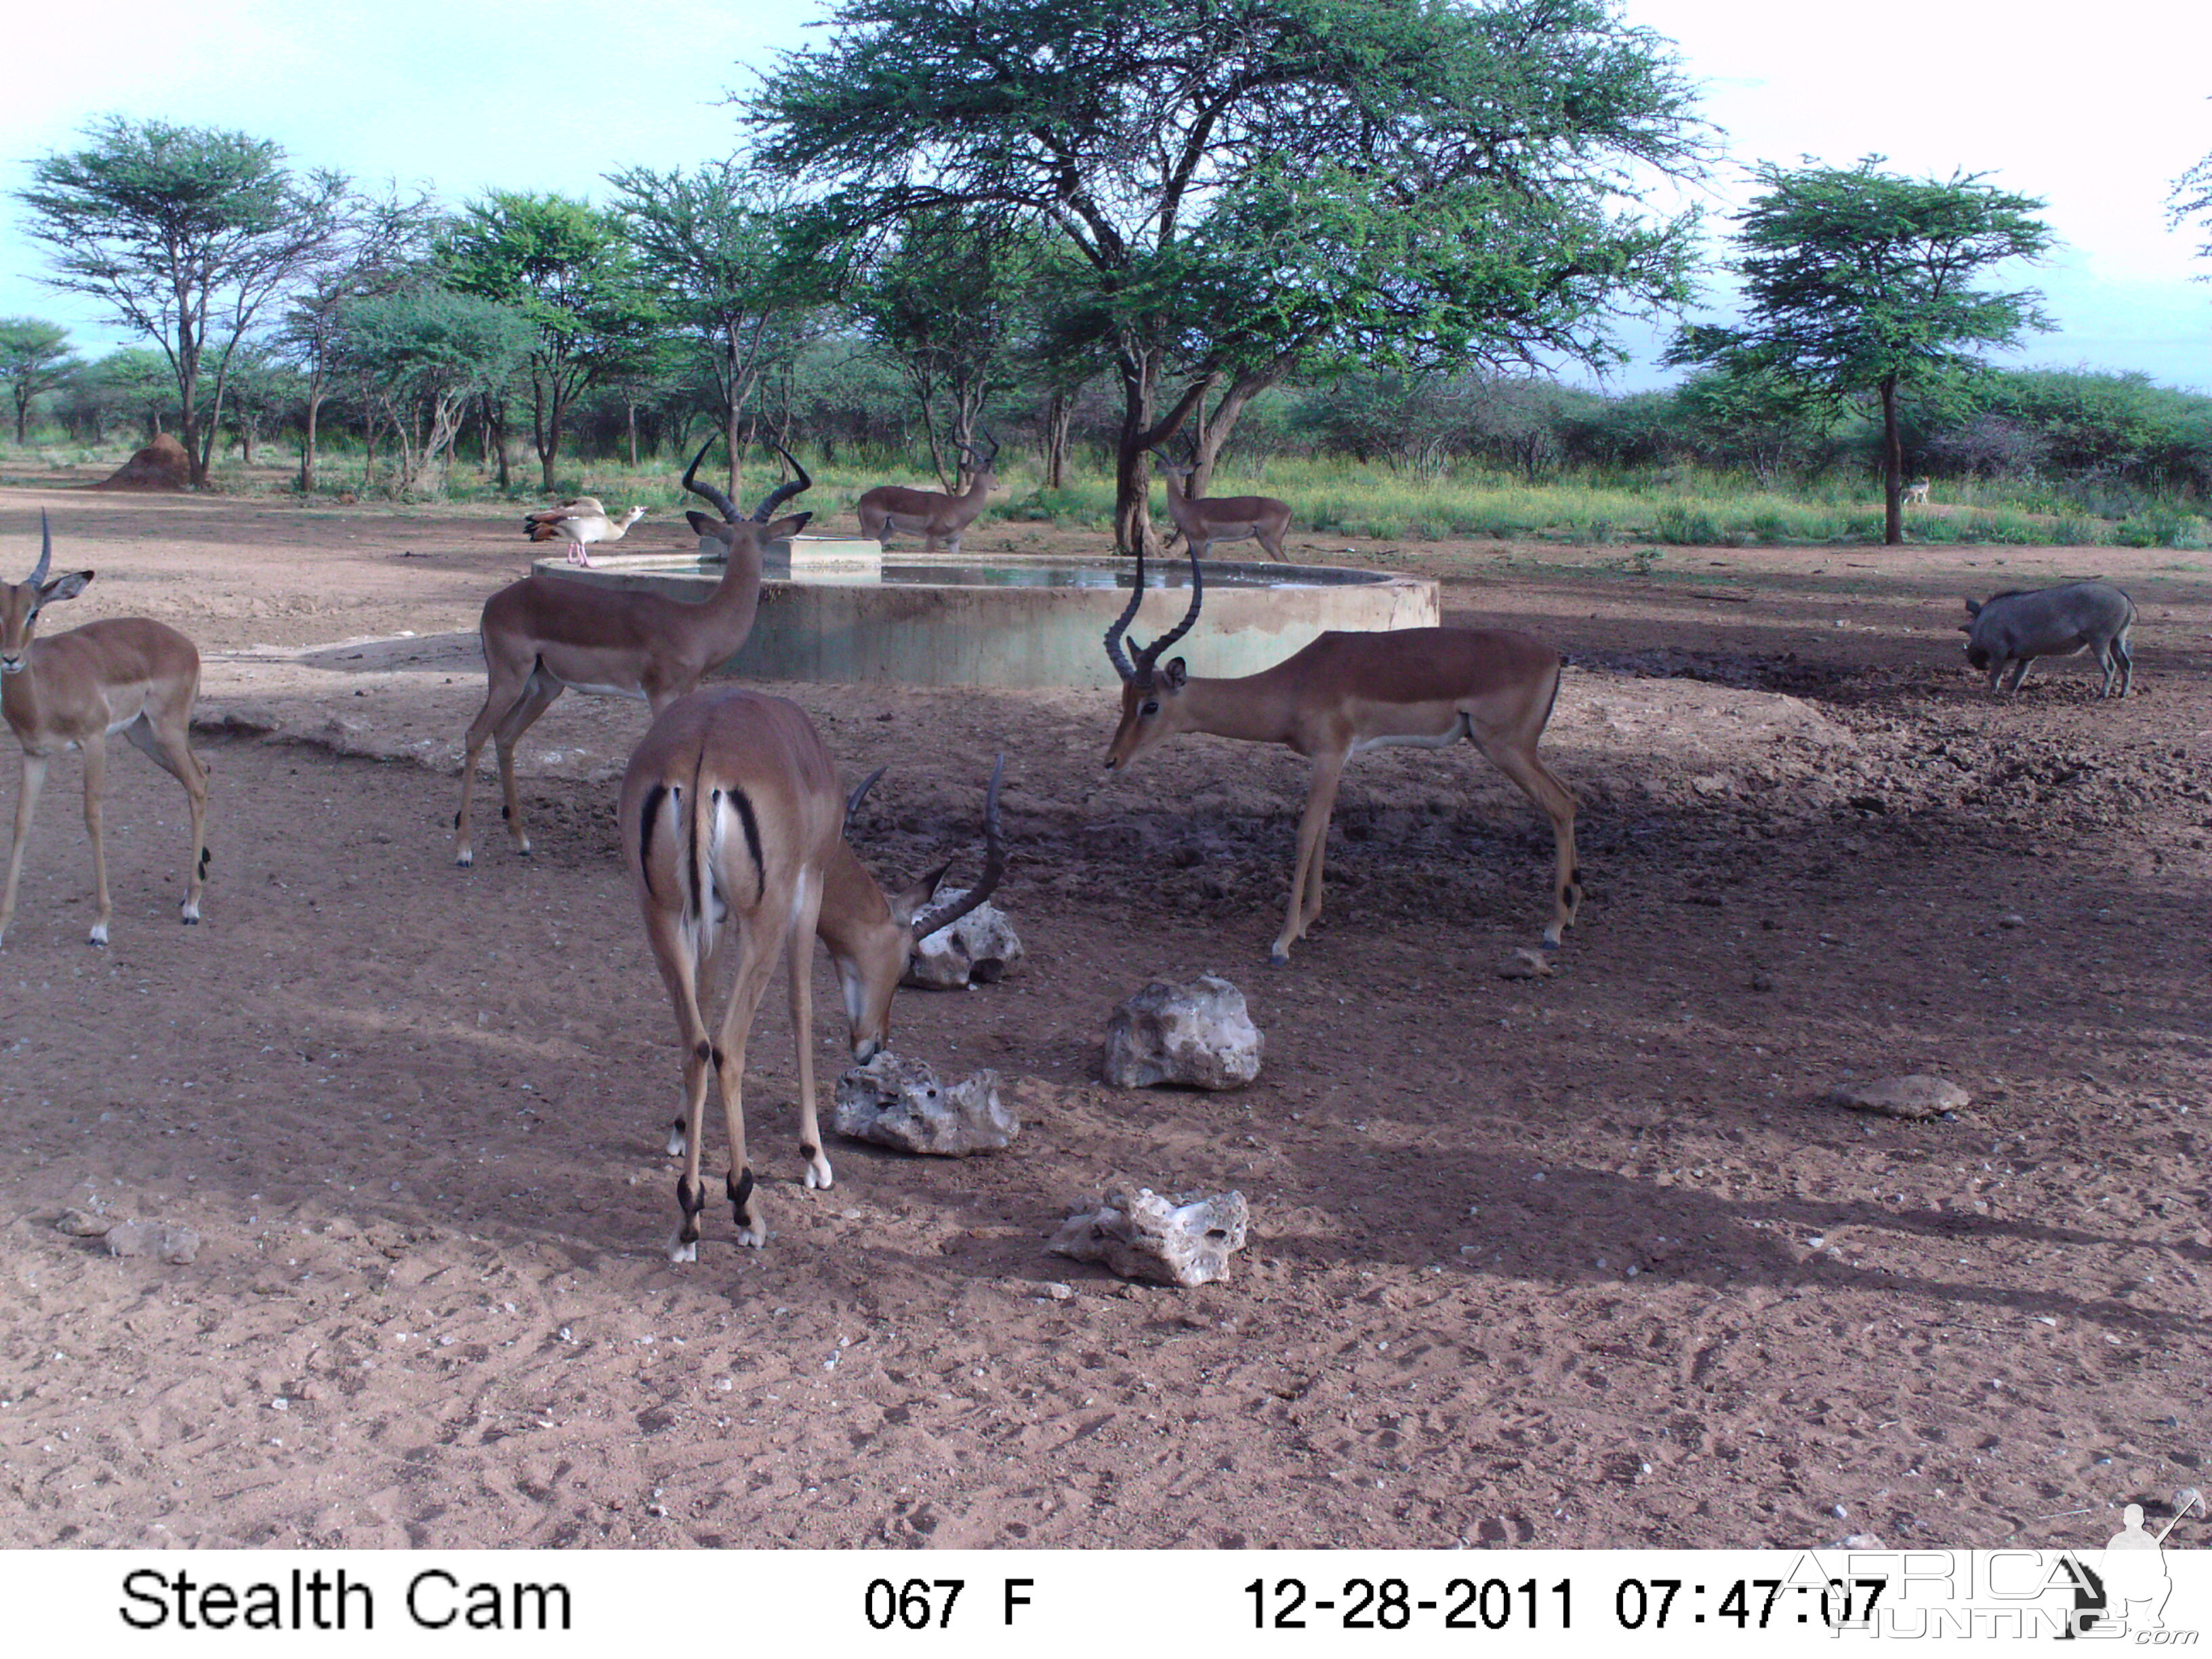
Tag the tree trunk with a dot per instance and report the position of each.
(307, 444)
(1892, 468)
(629, 406)
(1059, 415)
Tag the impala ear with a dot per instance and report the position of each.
(1966, 628)
(1175, 673)
(780, 528)
(908, 902)
(65, 587)
(703, 526)
(1973, 608)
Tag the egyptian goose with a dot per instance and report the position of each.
(579, 523)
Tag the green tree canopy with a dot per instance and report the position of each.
(35, 356)
(1252, 183)
(568, 268)
(424, 352)
(716, 246)
(950, 303)
(185, 234)
(1858, 283)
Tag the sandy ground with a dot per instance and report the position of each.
(1575, 1262)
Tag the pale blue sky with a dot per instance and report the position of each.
(2096, 109)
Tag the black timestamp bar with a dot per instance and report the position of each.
(1393, 1604)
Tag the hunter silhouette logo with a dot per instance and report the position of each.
(2127, 1591)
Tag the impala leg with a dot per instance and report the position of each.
(798, 954)
(1552, 799)
(757, 958)
(1305, 877)
(96, 787)
(679, 972)
(1272, 541)
(539, 693)
(508, 681)
(26, 802)
(169, 747)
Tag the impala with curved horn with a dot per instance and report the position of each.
(76, 690)
(936, 517)
(730, 816)
(1346, 692)
(546, 635)
(1205, 519)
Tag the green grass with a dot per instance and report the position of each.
(1678, 507)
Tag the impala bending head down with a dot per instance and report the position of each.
(731, 821)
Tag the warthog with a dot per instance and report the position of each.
(2053, 621)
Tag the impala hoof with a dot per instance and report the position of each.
(99, 935)
(676, 1142)
(752, 1237)
(1278, 959)
(1551, 938)
(819, 1177)
(464, 859)
(679, 1252)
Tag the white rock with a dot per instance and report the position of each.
(166, 1239)
(1197, 1034)
(1525, 963)
(900, 1102)
(1187, 1240)
(1916, 1096)
(980, 949)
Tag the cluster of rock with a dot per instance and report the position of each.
(981, 948)
(896, 1102)
(1197, 1034)
(1187, 1240)
(171, 1240)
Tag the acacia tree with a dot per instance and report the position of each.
(185, 234)
(715, 242)
(35, 356)
(948, 304)
(1856, 284)
(566, 267)
(378, 243)
(1251, 183)
(2192, 198)
(422, 354)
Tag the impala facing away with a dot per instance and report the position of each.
(76, 690)
(579, 523)
(545, 635)
(730, 813)
(1208, 519)
(1346, 692)
(930, 513)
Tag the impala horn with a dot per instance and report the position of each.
(994, 864)
(45, 548)
(853, 801)
(706, 492)
(1141, 674)
(782, 493)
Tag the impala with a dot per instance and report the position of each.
(545, 634)
(731, 815)
(1205, 519)
(1348, 692)
(76, 690)
(930, 513)
(579, 523)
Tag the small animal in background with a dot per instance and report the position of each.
(1916, 493)
(2053, 621)
(579, 523)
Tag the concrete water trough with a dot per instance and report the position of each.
(843, 613)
